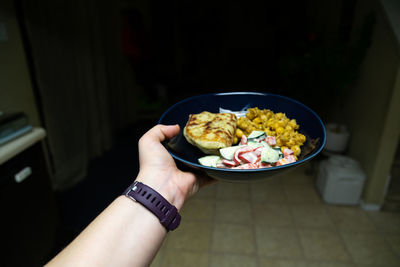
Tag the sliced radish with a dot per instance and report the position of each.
(243, 140)
(281, 162)
(287, 152)
(290, 159)
(246, 166)
(229, 163)
(271, 140)
(286, 160)
(263, 165)
(221, 165)
(243, 149)
(258, 150)
(249, 157)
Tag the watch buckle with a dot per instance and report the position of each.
(131, 188)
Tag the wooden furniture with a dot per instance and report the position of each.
(29, 216)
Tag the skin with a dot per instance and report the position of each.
(126, 233)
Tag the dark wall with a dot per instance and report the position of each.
(210, 46)
(299, 49)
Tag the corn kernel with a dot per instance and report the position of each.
(239, 133)
(290, 143)
(257, 120)
(296, 150)
(288, 128)
(279, 142)
(235, 140)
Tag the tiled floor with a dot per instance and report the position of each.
(278, 222)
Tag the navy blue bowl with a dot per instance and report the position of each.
(183, 152)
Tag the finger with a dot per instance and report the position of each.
(161, 132)
(170, 130)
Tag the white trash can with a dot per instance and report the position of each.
(340, 180)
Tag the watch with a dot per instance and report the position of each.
(167, 214)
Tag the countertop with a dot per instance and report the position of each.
(19, 144)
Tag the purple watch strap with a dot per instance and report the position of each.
(157, 204)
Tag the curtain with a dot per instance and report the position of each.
(85, 84)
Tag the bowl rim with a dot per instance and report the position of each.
(190, 163)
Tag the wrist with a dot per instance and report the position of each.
(153, 201)
(164, 185)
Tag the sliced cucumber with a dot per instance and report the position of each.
(254, 144)
(227, 152)
(265, 144)
(256, 135)
(277, 148)
(210, 161)
(269, 155)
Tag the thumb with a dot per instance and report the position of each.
(169, 131)
(159, 133)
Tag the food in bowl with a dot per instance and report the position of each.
(210, 131)
(284, 129)
(187, 155)
(255, 151)
(266, 139)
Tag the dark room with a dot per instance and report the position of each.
(200, 133)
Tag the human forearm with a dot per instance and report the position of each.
(125, 234)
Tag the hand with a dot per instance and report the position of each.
(158, 169)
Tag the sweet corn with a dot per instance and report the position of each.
(239, 133)
(273, 124)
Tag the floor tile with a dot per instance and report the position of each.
(298, 176)
(369, 248)
(173, 258)
(302, 194)
(323, 245)
(277, 242)
(233, 211)
(274, 180)
(235, 191)
(311, 216)
(394, 242)
(233, 238)
(265, 192)
(264, 262)
(198, 209)
(272, 214)
(301, 179)
(388, 222)
(330, 264)
(193, 236)
(350, 218)
(208, 191)
(158, 259)
(232, 260)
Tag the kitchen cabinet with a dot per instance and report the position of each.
(29, 217)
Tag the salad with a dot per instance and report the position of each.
(255, 151)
